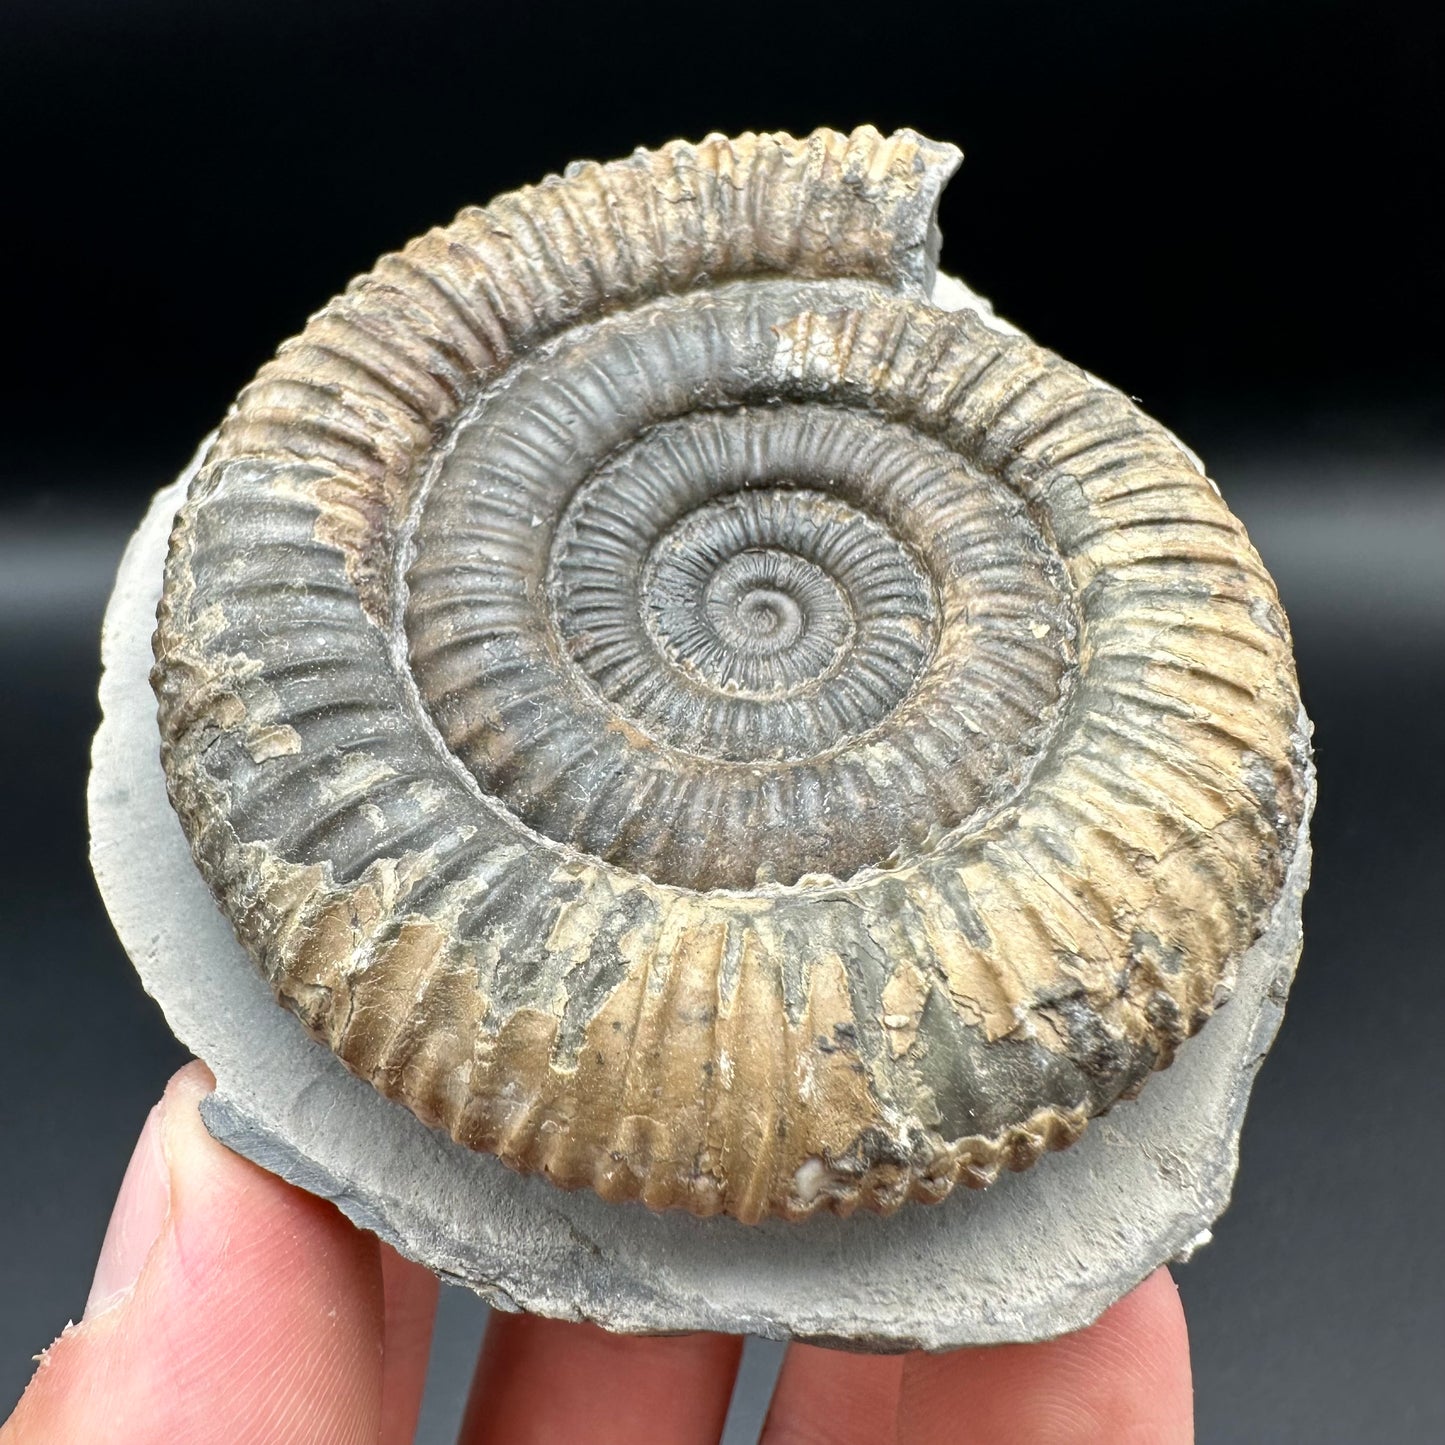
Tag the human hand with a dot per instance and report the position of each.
(230, 1309)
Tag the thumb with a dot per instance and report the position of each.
(226, 1306)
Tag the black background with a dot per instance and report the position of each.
(1228, 209)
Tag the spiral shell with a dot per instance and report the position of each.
(680, 710)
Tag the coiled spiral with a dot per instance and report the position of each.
(682, 711)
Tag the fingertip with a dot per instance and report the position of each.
(1162, 1292)
(1126, 1378)
(1153, 1326)
(192, 1081)
(826, 1395)
(136, 1221)
(144, 1202)
(411, 1301)
(542, 1379)
(193, 1157)
(256, 1313)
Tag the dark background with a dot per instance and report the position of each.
(1227, 209)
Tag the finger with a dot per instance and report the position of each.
(826, 1398)
(1124, 1379)
(250, 1311)
(411, 1305)
(544, 1381)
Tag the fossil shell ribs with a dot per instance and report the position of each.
(680, 711)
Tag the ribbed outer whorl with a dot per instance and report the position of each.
(681, 712)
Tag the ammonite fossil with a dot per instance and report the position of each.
(683, 705)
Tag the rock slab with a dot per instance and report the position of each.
(1032, 1257)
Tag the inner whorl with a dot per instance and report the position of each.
(710, 634)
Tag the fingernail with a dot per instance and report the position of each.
(135, 1222)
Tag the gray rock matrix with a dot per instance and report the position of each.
(1033, 1256)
